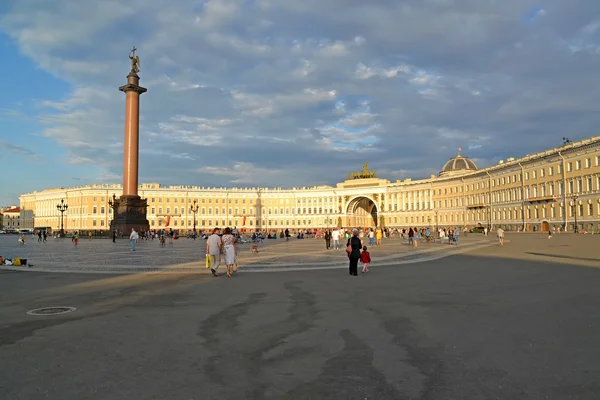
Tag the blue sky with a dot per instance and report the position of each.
(281, 93)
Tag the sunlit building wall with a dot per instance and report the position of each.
(536, 192)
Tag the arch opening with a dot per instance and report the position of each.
(361, 212)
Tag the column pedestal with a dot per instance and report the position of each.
(129, 212)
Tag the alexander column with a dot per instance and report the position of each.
(130, 209)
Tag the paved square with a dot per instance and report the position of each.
(518, 321)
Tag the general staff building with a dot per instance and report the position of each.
(555, 188)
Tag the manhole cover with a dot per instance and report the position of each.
(51, 310)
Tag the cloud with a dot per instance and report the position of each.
(276, 93)
(13, 148)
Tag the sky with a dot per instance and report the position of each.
(288, 93)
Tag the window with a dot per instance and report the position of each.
(589, 184)
(534, 174)
(542, 173)
(94, 210)
(588, 162)
(550, 171)
(560, 168)
(94, 222)
(569, 167)
(578, 165)
(175, 209)
(168, 199)
(168, 210)
(101, 210)
(175, 201)
(95, 198)
(153, 210)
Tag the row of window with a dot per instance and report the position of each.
(586, 210)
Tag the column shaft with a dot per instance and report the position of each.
(131, 143)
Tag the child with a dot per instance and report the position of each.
(365, 258)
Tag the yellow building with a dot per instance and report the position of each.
(549, 189)
(11, 219)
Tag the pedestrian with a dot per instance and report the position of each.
(335, 235)
(353, 250)
(411, 235)
(133, 237)
(76, 238)
(456, 233)
(213, 249)
(549, 234)
(378, 236)
(327, 239)
(371, 237)
(114, 236)
(365, 258)
(500, 234)
(228, 247)
(415, 237)
(45, 236)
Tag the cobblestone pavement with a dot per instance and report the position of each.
(187, 255)
(511, 322)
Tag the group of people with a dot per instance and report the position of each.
(356, 251)
(218, 245)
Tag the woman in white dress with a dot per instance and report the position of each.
(228, 242)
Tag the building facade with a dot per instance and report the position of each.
(556, 188)
(11, 219)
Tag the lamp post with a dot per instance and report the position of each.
(113, 204)
(575, 206)
(62, 207)
(436, 221)
(429, 222)
(194, 210)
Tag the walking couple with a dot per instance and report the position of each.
(217, 245)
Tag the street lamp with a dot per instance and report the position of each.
(429, 222)
(194, 210)
(575, 206)
(62, 207)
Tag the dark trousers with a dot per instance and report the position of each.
(328, 243)
(353, 266)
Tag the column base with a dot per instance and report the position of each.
(129, 212)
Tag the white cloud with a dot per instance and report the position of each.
(364, 72)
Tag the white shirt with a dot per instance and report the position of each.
(335, 235)
(371, 234)
(213, 243)
(134, 235)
